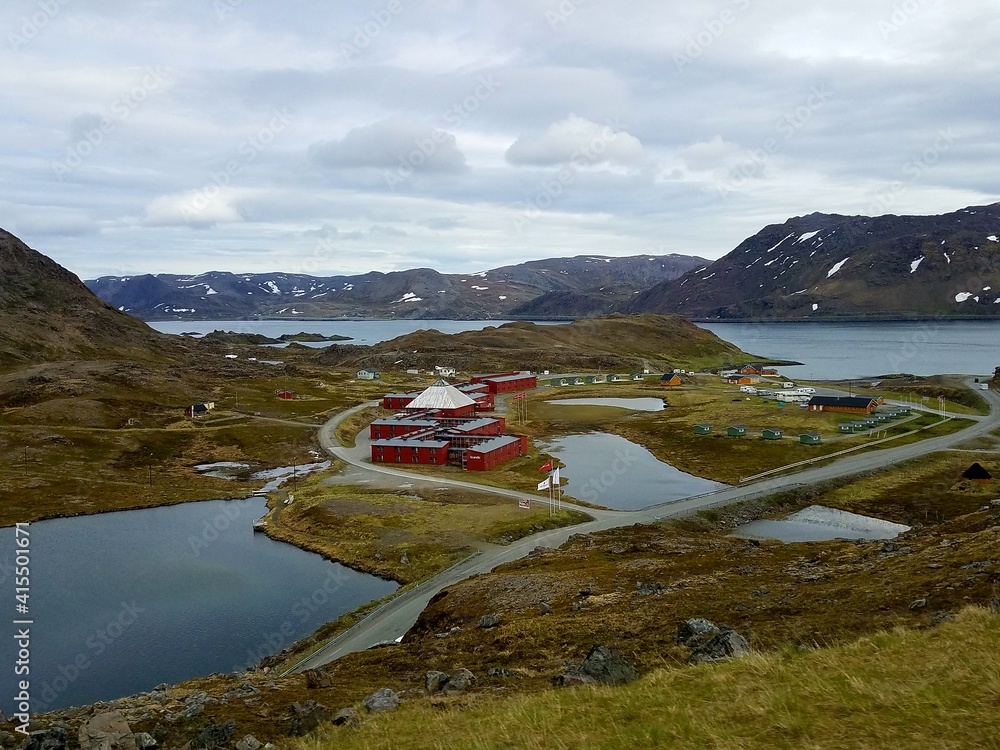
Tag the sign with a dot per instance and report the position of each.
(524, 504)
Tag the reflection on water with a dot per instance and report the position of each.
(614, 472)
(635, 404)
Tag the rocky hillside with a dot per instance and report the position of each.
(47, 313)
(606, 283)
(825, 266)
(615, 343)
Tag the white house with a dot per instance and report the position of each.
(444, 372)
(368, 374)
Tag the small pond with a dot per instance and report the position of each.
(635, 404)
(614, 472)
(819, 524)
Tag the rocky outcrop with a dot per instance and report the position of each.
(449, 684)
(381, 700)
(709, 642)
(215, 736)
(307, 716)
(107, 731)
(489, 621)
(602, 666)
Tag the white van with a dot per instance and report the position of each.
(788, 384)
(748, 389)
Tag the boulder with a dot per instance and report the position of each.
(344, 716)
(145, 741)
(502, 672)
(318, 678)
(696, 632)
(6, 738)
(381, 700)
(404, 559)
(434, 681)
(107, 731)
(572, 676)
(249, 743)
(489, 621)
(55, 738)
(608, 667)
(728, 644)
(459, 681)
(307, 716)
(545, 608)
(215, 735)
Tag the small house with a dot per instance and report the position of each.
(703, 429)
(368, 374)
(617, 379)
(847, 404)
(811, 438)
(595, 379)
(445, 372)
(670, 380)
(736, 430)
(636, 376)
(846, 427)
(579, 381)
(198, 410)
(977, 473)
(285, 395)
(771, 433)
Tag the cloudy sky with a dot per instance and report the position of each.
(320, 137)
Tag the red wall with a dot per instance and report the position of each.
(421, 451)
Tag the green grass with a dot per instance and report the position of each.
(901, 690)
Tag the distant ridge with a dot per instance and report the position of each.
(595, 284)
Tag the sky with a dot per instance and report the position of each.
(149, 136)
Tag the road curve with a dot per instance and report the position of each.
(391, 621)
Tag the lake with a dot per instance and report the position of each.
(124, 601)
(836, 351)
(614, 472)
(633, 404)
(360, 331)
(828, 351)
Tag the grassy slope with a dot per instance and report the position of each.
(900, 690)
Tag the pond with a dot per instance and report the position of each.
(635, 404)
(614, 472)
(124, 601)
(819, 524)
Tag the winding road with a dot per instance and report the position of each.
(391, 621)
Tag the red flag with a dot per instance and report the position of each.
(547, 466)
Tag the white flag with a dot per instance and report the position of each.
(543, 485)
(555, 477)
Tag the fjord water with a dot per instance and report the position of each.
(124, 601)
(832, 351)
(614, 472)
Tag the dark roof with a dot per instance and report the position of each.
(506, 378)
(497, 442)
(858, 402)
(411, 443)
(976, 471)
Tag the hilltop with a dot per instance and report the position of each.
(422, 293)
(47, 313)
(613, 343)
(828, 266)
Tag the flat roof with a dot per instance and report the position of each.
(412, 394)
(401, 443)
(507, 378)
(497, 442)
(472, 425)
(404, 421)
(853, 401)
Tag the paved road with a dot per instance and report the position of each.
(391, 621)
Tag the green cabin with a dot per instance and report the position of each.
(771, 433)
(736, 430)
(703, 429)
(811, 438)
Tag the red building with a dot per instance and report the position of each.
(398, 400)
(390, 427)
(848, 404)
(285, 395)
(401, 451)
(492, 453)
(507, 382)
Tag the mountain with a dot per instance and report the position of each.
(416, 293)
(47, 313)
(827, 266)
(615, 343)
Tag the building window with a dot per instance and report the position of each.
(434, 459)
(414, 459)
(398, 459)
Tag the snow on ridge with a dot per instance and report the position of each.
(480, 288)
(807, 236)
(914, 265)
(780, 241)
(815, 307)
(963, 296)
(408, 297)
(270, 286)
(947, 257)
(993, 238)
(837, 267)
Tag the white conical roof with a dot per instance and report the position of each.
(441, 396)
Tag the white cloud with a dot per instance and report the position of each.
(194, 208)
(389, 144)
(580, 141)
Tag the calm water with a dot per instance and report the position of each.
(855, 350)
(360, 331)
(635, 404)
(125, 601)
(790, 531)
(616, 473)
